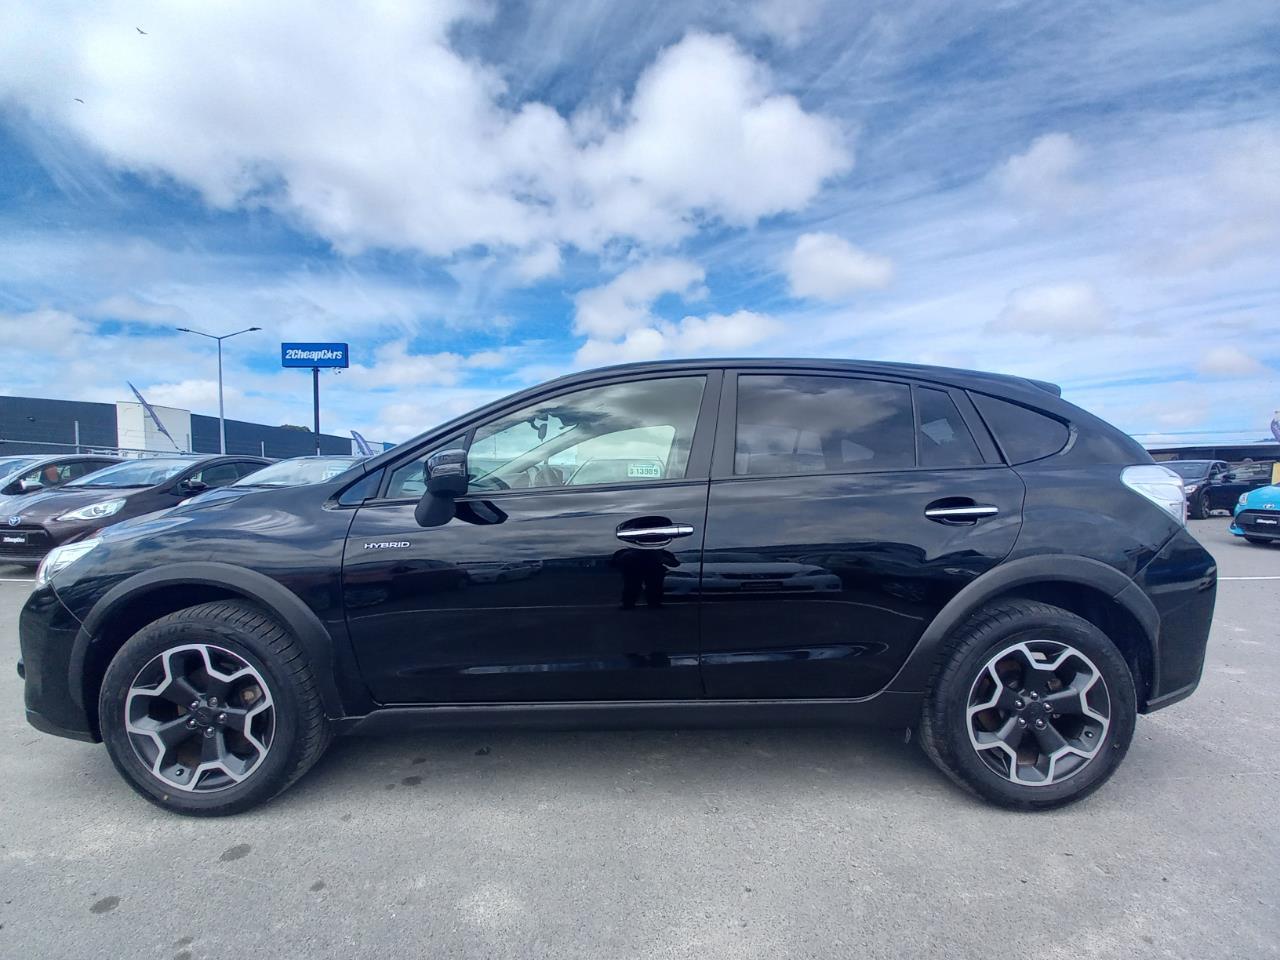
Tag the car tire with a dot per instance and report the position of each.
(206, 757)
(1197, 508)
(1067, 754)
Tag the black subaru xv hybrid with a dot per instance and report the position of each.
(745, 542)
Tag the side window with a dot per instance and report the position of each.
(1023, 434)
(246, 467)
(406, 480)
(945, 441)
(630, 432)
(218, 475)
(816, 424)
(78, 469)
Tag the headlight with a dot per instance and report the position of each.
(59, 558)
(1243, 498)
(95, 511)
(1192, 487)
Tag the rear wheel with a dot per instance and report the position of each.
(1033, 707)
(212, 710)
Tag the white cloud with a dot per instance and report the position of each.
(828, 267)
(539, 263)
(623, 304)
(692, 336)
(1060, 311)
(1044, 177)
(276, 105)
(1229, 361)
(787, 21)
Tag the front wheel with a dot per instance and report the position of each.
(1032, 707)
(211, 710)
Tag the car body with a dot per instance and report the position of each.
(931, 516)
(1214, 484)
(1257, 515)
(110, 495)
(42, 474)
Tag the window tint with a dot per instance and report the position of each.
(1023, 434)
(812, 424)
(80, 468)
(945, 441)
(620, 433)
(218, 475)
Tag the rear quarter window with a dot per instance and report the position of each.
(1022, 433)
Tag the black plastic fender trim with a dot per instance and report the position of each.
(1050, 568)
(257, 587)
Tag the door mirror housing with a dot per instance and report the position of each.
(445, 474)
(26, 486)
(192, 485)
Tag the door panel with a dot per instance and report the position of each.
(535, 599)
(820, 586)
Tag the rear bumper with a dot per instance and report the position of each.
(47, 633)
(1182, 583)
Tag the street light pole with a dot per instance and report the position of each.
(222, 423)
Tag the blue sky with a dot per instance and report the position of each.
(481, 195)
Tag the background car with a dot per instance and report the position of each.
(107, 496)
(1257, 515)
(294, 472)
(1215, 484)
(43, 474)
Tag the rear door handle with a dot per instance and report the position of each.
(654, 536)
(952, 512)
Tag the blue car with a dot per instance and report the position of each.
(1257, 515)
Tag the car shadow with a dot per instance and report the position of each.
(473, 766)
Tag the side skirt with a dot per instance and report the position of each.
(890, 708)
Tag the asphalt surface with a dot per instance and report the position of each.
(602, 845)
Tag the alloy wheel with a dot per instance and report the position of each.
(1038, 712)
(200, 717)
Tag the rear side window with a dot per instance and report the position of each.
(1023, 434)
(814, 424)
(945, 441)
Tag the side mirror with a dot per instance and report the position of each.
(445, 474)
(27, 486)
(192, 486)
(1229, 476)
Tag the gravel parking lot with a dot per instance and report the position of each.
(700, 844)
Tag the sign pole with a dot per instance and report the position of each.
(315, 356)
(315, 397)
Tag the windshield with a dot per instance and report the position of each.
(135, 473)
(9, 466)
(294, 473)
(1188, 469)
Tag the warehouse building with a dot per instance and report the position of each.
(37, 425)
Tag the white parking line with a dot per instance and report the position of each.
(1249, 578)
(17, 580)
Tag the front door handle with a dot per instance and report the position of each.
(656, 535)
(953, 511)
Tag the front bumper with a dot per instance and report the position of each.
(47, 634)
(1182, 583)
(1263, 524)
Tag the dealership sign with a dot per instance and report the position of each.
(313, 355)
